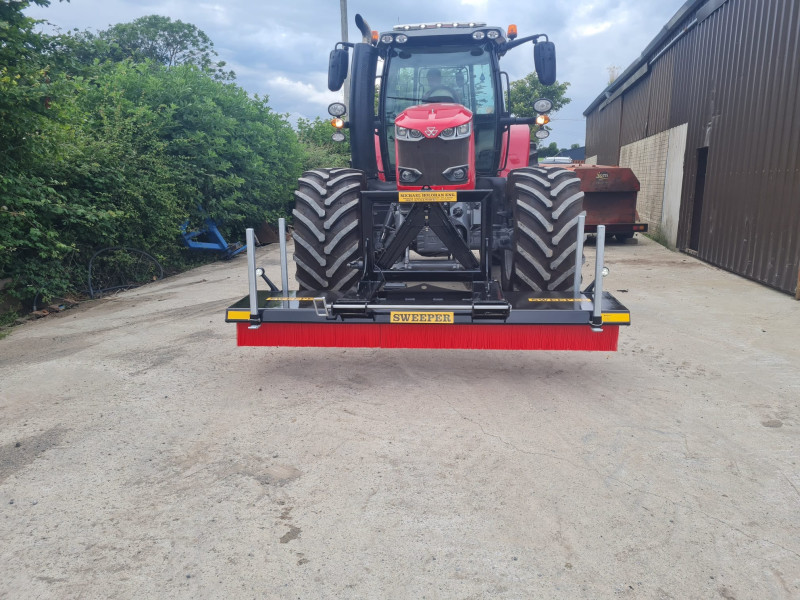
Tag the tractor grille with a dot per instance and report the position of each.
(430, 157)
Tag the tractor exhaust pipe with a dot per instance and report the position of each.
(363, 27)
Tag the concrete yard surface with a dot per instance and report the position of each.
(144, 455)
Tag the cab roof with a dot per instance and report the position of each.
(450, 32)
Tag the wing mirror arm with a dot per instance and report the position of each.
(505, 121)
(531, 38)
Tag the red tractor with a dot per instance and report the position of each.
(440, 234)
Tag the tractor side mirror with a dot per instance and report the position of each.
(544, 57)
(337, 69)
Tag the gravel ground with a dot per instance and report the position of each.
(144, 455)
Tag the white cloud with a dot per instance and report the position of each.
(591, 29)
(303, 92)
(585, 9)
(217, 14)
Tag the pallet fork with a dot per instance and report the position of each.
(393, 307)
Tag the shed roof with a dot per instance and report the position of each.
(688, 15)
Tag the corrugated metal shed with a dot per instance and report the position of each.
(602, 134)
(730, 69)
(635, 108)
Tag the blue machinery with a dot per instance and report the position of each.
(211, 239)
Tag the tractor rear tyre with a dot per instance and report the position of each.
(327, 232)
(546, 204)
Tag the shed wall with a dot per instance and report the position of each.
(731, 75)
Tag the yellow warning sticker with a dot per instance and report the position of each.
(239, 315)
(442, 318)
(616, 318)
(428, 196)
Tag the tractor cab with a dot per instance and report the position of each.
(437, 69)
(424, 68)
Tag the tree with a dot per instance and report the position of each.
(99, 150)
(164, 41)
(37, 220)
(525, 91)
(231, 153)
(318, 147)
(550, 150)
(23, 80)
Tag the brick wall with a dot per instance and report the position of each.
(647, 158)
(657, 161)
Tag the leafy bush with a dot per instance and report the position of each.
(116, 138)
(319, 149)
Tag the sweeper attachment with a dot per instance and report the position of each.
(382, 312)
(440, 235)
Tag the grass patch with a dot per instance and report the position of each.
(7, 320)
(658, 236)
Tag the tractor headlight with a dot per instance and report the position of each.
(407, 175)
(478, 35)
(456, 174)
(455, 133)
(542, 105)
(493, 34)
(387, 39)
(404, 133)
(337, 109)
(541, 134)
(401, 38)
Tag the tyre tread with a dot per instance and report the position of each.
(545, 233)
(327, 227)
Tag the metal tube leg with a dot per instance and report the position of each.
(576, 288)
(251, 271)
(597, 314)
(284, 259)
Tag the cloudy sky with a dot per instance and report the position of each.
(280, 48)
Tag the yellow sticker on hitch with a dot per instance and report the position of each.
(616, 318)
(441, 318)
(428, 196)
(239, 315)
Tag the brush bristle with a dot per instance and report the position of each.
(463, 337)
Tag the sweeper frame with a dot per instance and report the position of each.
(401, 303)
